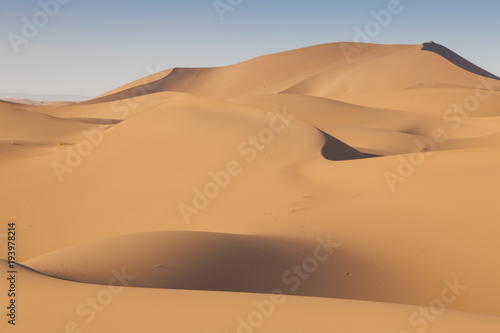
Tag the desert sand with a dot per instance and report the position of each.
(303, 191)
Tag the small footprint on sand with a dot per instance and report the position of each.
(299, 205)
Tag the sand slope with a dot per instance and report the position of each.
(167, 310)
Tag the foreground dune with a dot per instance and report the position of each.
(364, 191)
(98, 308)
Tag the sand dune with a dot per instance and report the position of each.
(213, 187)
(434, 102)
(23, 101)
(383, 73)
(235, 312)
(309, 71)
(18, 126)
(380, 131)
(267, 74)
(114, 109)
(197, 261)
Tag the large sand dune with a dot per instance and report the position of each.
(364, 191)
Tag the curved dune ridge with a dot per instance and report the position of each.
(359, 187)
(198, 261)
(322, 71)
(384, 131)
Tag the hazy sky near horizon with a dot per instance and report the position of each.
(89, 47)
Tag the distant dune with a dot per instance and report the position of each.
(25, 101)
(31, 98)
(300, 191)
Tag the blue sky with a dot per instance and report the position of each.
(90, 46)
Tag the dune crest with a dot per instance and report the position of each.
(457, 59)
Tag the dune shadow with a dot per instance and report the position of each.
(457, 60)
(223, 262)
(336, 150)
